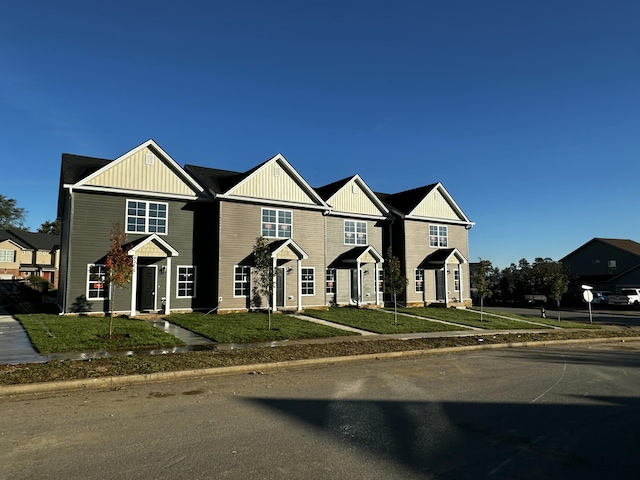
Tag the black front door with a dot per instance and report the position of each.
(147, 288)
(280, 287)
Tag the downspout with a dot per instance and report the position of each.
(68, 255)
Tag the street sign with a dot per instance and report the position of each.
(588, 296)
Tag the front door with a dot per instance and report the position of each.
(147, 288)
(280, 287)
(440, 290)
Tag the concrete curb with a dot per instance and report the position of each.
(112, 382)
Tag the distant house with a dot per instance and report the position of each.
(429, 235)
(605, 264)
(191, 232)
(23, 254)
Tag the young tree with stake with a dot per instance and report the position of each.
(119, 268)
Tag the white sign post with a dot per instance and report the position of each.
(587, 294)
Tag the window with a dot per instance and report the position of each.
(331, 280)
(186, 282)
(612, 266)
(7, 255)
(355, 233)
(437, 236)
(97, 282)
(308, 281)
(456, 280)
(241, 281)
(276, 223)
(146, 217)
(380, 281)
(419, 281)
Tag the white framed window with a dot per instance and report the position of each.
(241, 275)
(612, 266)
(380, 281)
(186, 284)
(7, 255)
(438, 236)
(355, 233)
(456, 280)
(331, 280)
(276, 223)
(97, 286)
(147, 217)
(308, 281)
(419, 280)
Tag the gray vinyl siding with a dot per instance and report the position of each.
(240, 226)
(336, 247)
(94, 215)
(417, 248)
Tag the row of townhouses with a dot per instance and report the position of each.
(24, 255)
(191, 232)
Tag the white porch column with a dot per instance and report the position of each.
(167, 294)
(446, 285)
(375, 283)
(275, 285)
(299, 287)
(359, 299)
(134, 286)
(460, 282)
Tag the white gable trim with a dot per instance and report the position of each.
(450, 200)
(290, 170)
(155, 239)
(141, 193)
(302, 255)
(267, 201)
(367, 191)
(149, 143)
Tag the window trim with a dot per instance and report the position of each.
(438, 237)
(104, 282)
(331, 275)
(147, 217)
(456, 280)
(247, 281)
(277, 222)
(13, 252)
(418, 279)
(380, 282)
(186, 282)
(355, 232)
(312, 281)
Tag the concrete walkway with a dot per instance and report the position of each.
(15, 346)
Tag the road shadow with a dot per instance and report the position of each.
(597, 439)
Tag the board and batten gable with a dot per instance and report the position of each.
(144, 170)
(275, 180)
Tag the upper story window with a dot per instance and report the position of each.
(438, 236)
(276, 223)
(355, 233)
(7, 255)
(146, 217)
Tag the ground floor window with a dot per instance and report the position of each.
(456, 280)
(419, 280)
(308, 281)
(241, 281)
(97, 282)
(186, 281)
(380, 281)
(331, 280)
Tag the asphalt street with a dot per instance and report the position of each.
(528, 413)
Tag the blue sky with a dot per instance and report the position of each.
(527, 112)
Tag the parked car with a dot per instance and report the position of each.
(601, 297)
(626, 297)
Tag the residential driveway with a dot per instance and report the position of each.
(15, 347)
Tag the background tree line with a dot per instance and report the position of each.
(541, 281)
(12, 216)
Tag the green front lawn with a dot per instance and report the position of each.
(54, 333)
(252, 327)
(379, 321)
(466, 317)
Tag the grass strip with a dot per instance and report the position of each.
(378, 321)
